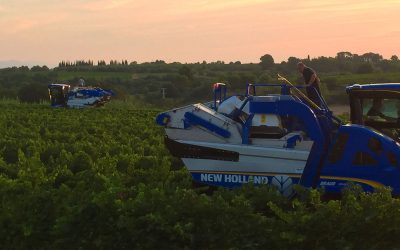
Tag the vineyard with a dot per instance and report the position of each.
(102, 179)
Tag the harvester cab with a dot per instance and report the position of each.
(376, 106)
(58, 94)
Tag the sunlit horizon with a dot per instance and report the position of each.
(47, 32)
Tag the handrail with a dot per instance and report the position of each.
(315, 106)
(323, 102)
(271, 85)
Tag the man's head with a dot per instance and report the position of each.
(300, 67)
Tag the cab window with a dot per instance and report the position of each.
(364, 159)
(379, 109)
(375, 145)
(338, 148)
(392, 159)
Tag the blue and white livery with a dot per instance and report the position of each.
(285, 139)
(62, 95)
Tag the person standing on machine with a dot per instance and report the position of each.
(312, 83)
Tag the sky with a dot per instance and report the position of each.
(48, 31)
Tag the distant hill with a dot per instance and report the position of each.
(15, 63)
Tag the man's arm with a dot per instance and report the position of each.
(312, 79)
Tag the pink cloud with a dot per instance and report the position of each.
(101, 5)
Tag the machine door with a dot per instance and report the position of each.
(58, 95)
(378, 109)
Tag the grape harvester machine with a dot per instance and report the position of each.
(284, 138)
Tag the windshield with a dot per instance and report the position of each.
(57, 96)
(381, 114)
(383, 110)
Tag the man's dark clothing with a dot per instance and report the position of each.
(313, 91)
(374, 112)
(307, 73)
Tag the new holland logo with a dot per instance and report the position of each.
(233, 178)
(284, 184)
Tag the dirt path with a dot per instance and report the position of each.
(339, 109)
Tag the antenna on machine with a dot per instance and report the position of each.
(81, 82)
(163, 92)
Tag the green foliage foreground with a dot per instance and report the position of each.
(102, 179)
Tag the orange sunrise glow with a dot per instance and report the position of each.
(48, 31)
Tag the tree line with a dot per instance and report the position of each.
(190, 82)
(343, 62)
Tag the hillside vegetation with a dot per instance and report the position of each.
(188, 83)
